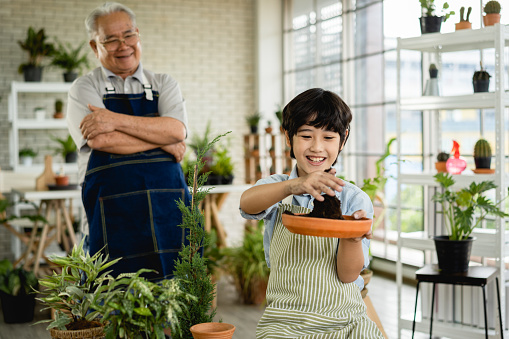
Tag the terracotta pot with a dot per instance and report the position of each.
(440, 166)
(491, 19)
(58, 115)
(463, 25)
(268, 130)
(88, 333)
(328, 228)
(62, 180)
(212, 331)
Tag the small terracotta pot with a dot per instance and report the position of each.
(268, 130)
(212, 331)
(62, 180)
(463, 25)
(441, 166)
(491, 19)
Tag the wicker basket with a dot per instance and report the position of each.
(89, 333)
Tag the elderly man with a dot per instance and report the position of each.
(129, 125)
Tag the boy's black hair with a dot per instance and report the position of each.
(318, 108)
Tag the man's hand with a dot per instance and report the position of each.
(177, 150)
(99, 121)
(315, 183)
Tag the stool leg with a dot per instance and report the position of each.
(485, 311)
(499, 311)
(415, 308)
(432, 309)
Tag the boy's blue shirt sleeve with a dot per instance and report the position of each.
(352, 199)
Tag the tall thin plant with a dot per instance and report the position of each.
(191, 266)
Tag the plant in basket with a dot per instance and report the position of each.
(463, 210)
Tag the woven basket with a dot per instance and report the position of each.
(89, 333)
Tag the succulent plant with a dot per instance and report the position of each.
(482, 149)
(433, 71)
(442, 156)
(59, 104)
(492, 7)
(462, 13)
(481, 75)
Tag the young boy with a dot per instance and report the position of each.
(314, 285)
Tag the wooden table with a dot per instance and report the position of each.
(51, 203)
(212, 205)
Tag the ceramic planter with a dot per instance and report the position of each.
(329, 228)
(32, 73)
(481, 85)
(17, 308)
(26, 161)
(491, 19)
(71, 157)
(482, 162)
(453, 255)
(212, 331)
(463, 25)
(441, 166)
(430, 24)
(70, 76)
(62, 180)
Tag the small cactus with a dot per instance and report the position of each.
(442, 156)
(433, 71)
(58, 105)
(492, 7)
(462, 13)
(482, 149)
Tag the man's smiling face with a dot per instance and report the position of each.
(125, 59)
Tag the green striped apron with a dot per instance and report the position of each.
(305, 298)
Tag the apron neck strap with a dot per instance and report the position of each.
(146, 86)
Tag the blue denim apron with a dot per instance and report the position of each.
(131, 200)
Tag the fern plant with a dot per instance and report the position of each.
(191, 267)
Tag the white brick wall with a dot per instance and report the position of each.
(207, 45)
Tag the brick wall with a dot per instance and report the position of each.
(207, 45)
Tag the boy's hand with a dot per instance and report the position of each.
(317, 182)
(359, 215)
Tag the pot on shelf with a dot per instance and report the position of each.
(32, 73)
(431, 24)
(453, 255)
(491, 19)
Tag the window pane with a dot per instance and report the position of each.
(330, 47)
(369, 80)
(368, 30)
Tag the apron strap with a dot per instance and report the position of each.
(288, 200)
(147, 87)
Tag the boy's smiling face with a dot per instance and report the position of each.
(315, 149)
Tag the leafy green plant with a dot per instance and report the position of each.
(27, 152)
(492, 7)
(69, 58)
(134, 307)
(16, 281)
(253, 119)
(247, 263)
(223, 164)
(191, 266)
(429, 7)
(460, 207)
(67, 145)
(199, 142)
(37, 47)
(73, 292)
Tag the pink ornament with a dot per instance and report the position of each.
(457, 164)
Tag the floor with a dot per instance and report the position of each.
(382, 291)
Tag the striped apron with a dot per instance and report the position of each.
(305, 298)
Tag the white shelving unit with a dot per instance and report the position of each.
(489, 243)
(17, 124)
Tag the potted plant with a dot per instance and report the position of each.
(17, 293)
(59, 105)
(279, 116)
(252, 121)
(482, 156)
(37, 47)
(441, 162)
(492, 10)
(222, 167)
(464, 21)
(431, 23)
(40, 113)
(268, 129)
(70, 59)
(247, 265)
(463, 211)
(67, 148)
(26, 156)
(191, 267)
(481, 80)
(432, 82)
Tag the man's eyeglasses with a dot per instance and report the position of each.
(130, 39)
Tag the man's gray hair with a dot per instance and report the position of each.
(105, 9)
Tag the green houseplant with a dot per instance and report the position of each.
(191, 266)
(247, 265)
(430, 22)
(492, 9)
(26, 156)
(463, 210)
(72, 60)
(67, 148)
(37, 47)
(16, 293)
(482, 154)
(253, 120)
(222, 168)
(481, 80)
